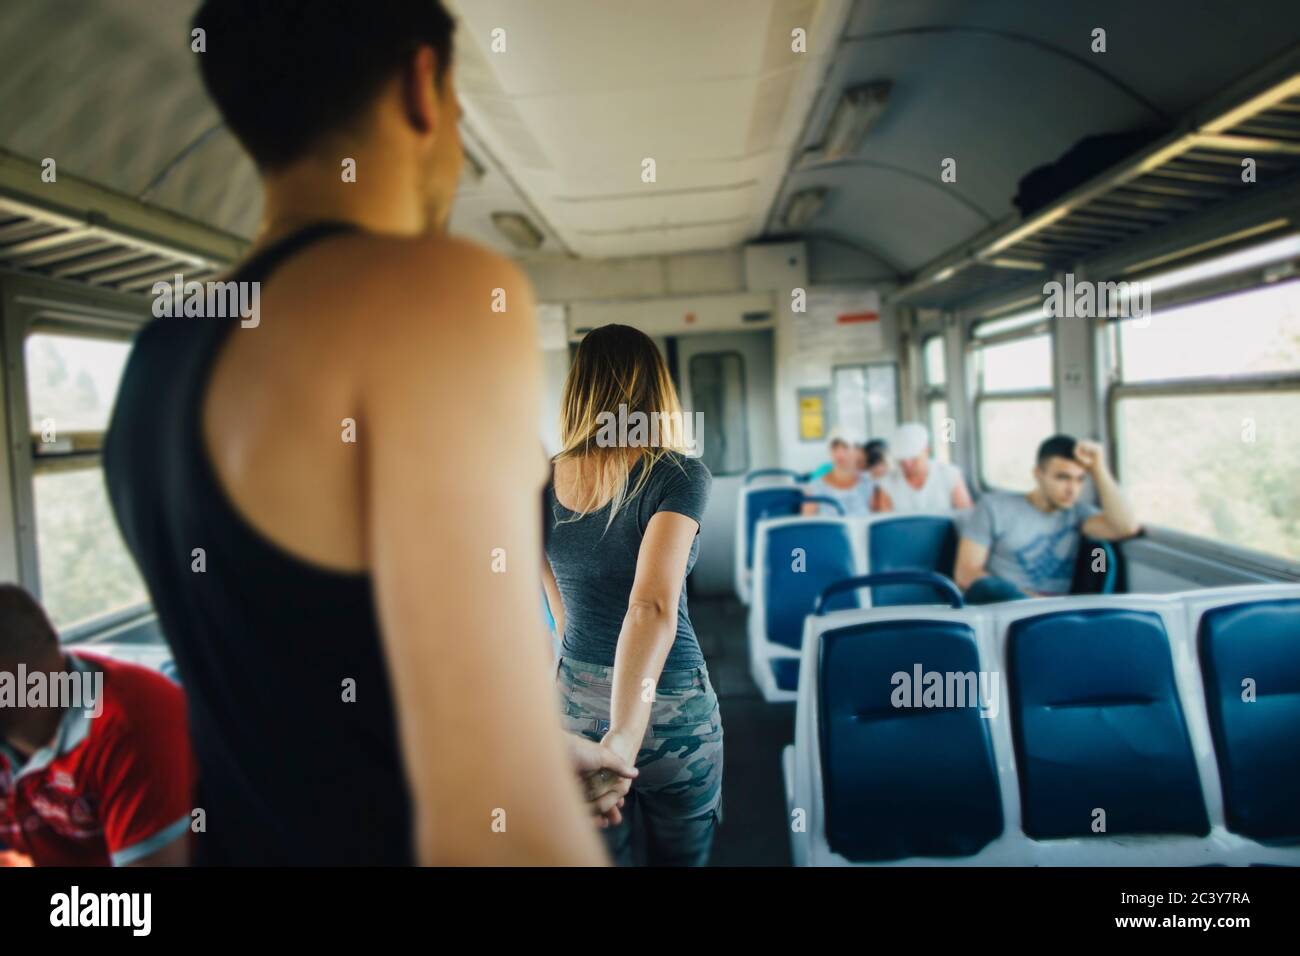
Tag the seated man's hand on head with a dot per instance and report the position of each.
(606, 778)
(1088, 453)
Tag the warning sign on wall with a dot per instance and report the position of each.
(839, 324)
(812, 414)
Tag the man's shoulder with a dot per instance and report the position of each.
(422, 290)
(402, 308)
(1001, 509)
(950, 470)
(133, 695)
(1002, 504)
(1079, 513)
(439, 264)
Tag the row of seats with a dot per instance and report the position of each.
(767, 493)
(772, 493)
(775, 500)
(1120, 730)
(798, 557)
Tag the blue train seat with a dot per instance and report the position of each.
(909, 543)
(889, 772)
(1250, 663)
(1099, 727)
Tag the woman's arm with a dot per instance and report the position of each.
(553, 599)
(604, 792)
(648, 628)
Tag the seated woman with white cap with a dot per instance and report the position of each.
(844, 482)
(919, 483)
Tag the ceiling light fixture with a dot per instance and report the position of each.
(858, 110)
(518, 230)
(804, 207)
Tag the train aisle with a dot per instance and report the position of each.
(753, 831)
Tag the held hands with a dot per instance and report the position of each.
(606, 776)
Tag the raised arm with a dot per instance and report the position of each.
(1117, 520)
(648, 628)
(453, 474)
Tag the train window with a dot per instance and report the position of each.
(932, 352)
(85, 570)
(1014, 409)
(933, 359)
(866, 399)
(936, 412)
(718, 392)
(1230, 364)
(1189, 341)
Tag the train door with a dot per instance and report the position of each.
(728, 379)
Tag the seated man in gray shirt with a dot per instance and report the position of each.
(1016, 546)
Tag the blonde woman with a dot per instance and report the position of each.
(624, 507)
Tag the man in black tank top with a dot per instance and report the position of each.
(292, 495)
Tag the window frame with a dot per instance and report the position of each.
(1236, 555)
(744, 399)
(35, 305)
(932, 393)
(865, 365)
(975, 344)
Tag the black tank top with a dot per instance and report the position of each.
(290, 771)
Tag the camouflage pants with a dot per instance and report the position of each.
(676, 801)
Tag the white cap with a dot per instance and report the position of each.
(840, 433)
(911, 439)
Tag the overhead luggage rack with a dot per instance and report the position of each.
(77, 231)
(59, 246)
(1188, 172)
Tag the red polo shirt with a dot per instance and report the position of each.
(111, 788)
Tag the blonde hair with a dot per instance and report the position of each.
(617, 373)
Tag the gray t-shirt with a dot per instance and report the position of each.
(595, 566)
(1033, 550)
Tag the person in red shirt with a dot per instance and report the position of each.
(95, 760)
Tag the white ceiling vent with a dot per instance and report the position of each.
(643, 129)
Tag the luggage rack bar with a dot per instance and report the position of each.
(1192, 170)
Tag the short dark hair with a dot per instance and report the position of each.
(876, 449)
(23, 625)
(1058, 446)
(284, 73)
